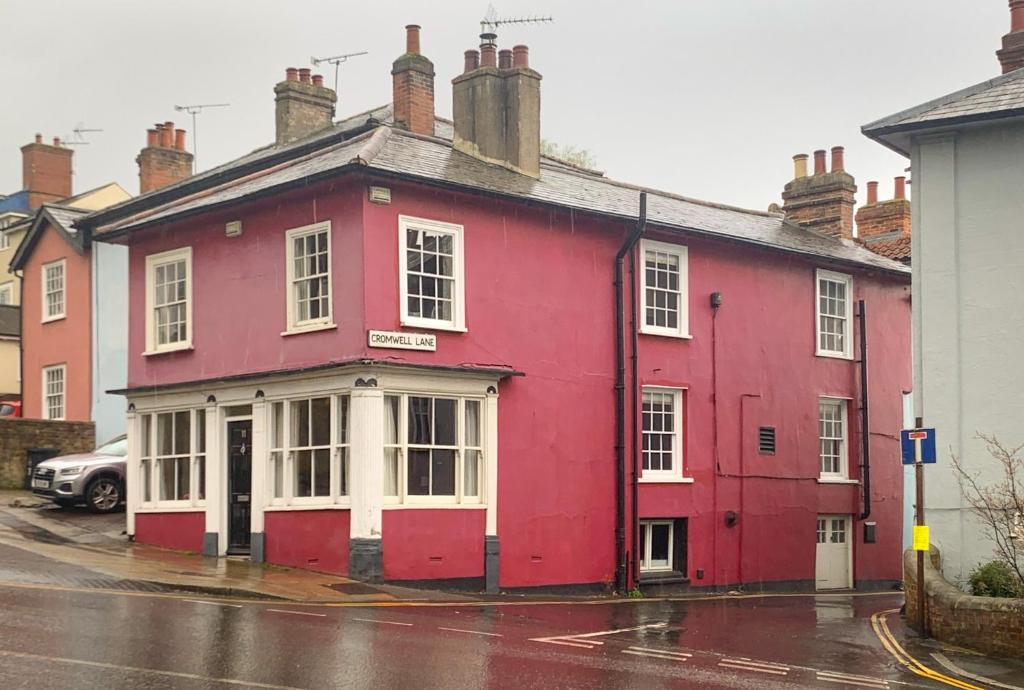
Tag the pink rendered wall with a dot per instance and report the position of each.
(428, 544)
(179, 531)
(65, 341)
(239, 308)
(311, 539)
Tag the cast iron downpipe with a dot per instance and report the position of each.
(620, 401)
(865, 433)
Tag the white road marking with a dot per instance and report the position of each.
(654, 655)
(586, 641)
(661, 651)
(471, 632)
(139, 669)
(213, 603)
(746, 665)
(370, 620)
(850, 681)
(299, 613)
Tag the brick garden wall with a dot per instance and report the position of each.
(986, 624)
(17, 436)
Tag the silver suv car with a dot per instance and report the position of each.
(96, 478)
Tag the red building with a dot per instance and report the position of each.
(390, 347)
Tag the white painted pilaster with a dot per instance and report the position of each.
(491, 461)
(258, 499)
(214, 460)
(367, 462)
(133, 485)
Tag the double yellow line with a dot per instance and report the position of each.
(881, 629)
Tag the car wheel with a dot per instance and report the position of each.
(103, 495)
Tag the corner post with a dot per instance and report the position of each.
(215, 493)
(366, 555)
(491, 544)
(257, 498)
(133, 490)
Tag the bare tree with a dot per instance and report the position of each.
(568, 153)
(1000, 505)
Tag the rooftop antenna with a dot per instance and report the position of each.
(336, 60)
(77, 137)
(194, 110)
(491, 21)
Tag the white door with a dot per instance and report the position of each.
(832, 563)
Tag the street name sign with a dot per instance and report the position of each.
(918, 445)
(396, 340)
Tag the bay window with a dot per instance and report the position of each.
(172, 458)
(433, 449)
(309, 450)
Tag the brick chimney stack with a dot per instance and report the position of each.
(412, 76)
(824, 200)
(304, 105)
(1011, 56)
(164, 160)
(496, 107)
(45, 171)
(885, 220)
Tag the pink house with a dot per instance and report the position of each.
(390, 347)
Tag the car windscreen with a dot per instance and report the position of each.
(6, 410)
(119, 446)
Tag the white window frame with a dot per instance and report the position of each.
(458, 320)
(196, 458)
(461, 498)
(843, 474)
(5, 241)
(44, 310)
(677, 474)
(682, 329)
(847, 351)
(339, 454)
(647, 526)
(7, 289)
(152, 262)
(45, 412)
(293, 325)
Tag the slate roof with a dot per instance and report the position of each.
(62, 218)
(997, 98)
(433, 160)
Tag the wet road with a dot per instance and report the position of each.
(62, 638)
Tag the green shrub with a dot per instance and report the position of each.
(995, 579)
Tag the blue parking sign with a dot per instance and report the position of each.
(918, 445)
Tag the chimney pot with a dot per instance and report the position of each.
(819, 162)
(179, 139)
(412, 39)
(167, 135)
(488, 50)
(39, 138)
(152, 138)
(837, 159)
(472, 60)
(520, 56)
(872, 193)
(291, 74)
(304, 75)
(901, 188)
(1016, 16)
(505, 59)
(318, 80)
(56, 141)
(799, 166)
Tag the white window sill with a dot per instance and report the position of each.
(837, 480)
(427, 324)
(431, 506)
(308, 506)
(51, 319)
(665, 334)
(181, 347)
(833, 355)
(311, 328)
(665, 480)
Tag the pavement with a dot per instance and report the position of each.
(80, 605)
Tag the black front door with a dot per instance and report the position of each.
(239, 485)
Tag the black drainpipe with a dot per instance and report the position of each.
(865, 433)
(633, 573)
(620, 401)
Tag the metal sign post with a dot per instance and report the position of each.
(918, 446)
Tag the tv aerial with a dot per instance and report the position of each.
(77, 137)
(491, 21)
(194, 110)
(336, 60)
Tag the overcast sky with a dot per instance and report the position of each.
(706, 98)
